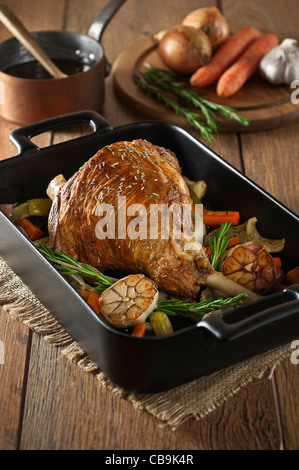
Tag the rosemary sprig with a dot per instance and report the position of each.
(66, 264)
(157, 93)
(219, 245)
(166, 80)
(155, 82)
(174, 307)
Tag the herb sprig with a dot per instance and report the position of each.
(154, 91)
(156, 81)
(219, 245)
(174, 307)
(66, 264)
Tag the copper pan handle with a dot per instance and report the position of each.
(14, 25)
(103, 19)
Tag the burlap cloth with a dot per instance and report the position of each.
(195, 399)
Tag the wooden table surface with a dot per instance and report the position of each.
(45, 401)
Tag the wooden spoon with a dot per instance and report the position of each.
(13, 24)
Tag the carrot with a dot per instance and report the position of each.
(232, 242)
(277, 262)
(224, 57)
(33, 232)
(139, 330)
(237, 75)
(92, 299)
(215, 218)
(292, 276)
(84, 293)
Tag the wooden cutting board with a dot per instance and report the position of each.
(267, 106)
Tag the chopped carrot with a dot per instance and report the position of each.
(224, 57)
(234, 78)
(33, 232)
(84, 293)
(216, 218)
(232, 242)
(92, 299)
(139, 330)
(277, 262)
(292, 276)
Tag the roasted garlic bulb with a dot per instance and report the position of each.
(251, 266)
(129, 301)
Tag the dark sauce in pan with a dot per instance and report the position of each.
(35, 70)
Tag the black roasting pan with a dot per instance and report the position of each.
(149, 364)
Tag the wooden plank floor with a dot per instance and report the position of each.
(48, 403)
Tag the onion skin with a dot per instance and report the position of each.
(184, 49)
(211, 21)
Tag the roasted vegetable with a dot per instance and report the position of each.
(55, 185)
(248, 232)
(253, 235)
(216, 218)
(33, 232)
(251, 266)
(160, 323)
(129, 301)
(32, 207)
(292, 276)
(139, 330)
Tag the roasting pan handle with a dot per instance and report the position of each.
(21, 137)
(254, 316)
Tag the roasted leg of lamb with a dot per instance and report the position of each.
(120, 176)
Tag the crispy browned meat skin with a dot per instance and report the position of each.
(145, 174)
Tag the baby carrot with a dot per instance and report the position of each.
(139, 330)
(33, 232)
(224, 57)
(92, 299)
(234, 78)
(292, 276)
(84, 293)
(216, 218)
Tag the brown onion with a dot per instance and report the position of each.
(211, 21)
(184, 49)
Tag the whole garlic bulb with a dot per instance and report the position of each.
(281, 64)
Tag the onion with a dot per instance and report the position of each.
(184, 49)
(211, 21)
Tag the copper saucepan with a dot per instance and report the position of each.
(28, 95)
